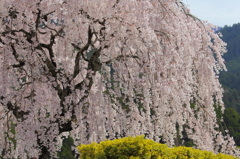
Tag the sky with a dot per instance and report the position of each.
(217, 12)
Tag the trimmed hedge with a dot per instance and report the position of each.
(140, 148)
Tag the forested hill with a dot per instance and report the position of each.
(231, 79)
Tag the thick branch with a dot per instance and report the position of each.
(82, 50)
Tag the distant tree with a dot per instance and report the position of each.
(106, 69)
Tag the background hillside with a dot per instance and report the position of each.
(231, 80)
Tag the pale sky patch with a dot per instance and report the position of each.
(217, 12)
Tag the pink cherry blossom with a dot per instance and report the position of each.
(106, 69)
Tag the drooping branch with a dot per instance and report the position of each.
(17, 112)
(94, 20)
(50, 50)
(121, 57)
(20, 62)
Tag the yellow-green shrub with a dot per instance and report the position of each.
(140, 148)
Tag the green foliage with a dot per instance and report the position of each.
(232, 38)
(231, 79)
(182, 138)
(66, 150)
(231, 98)
(232, 121)
(12, 130)
(195, 109)
(140, 148)
(220, 120)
